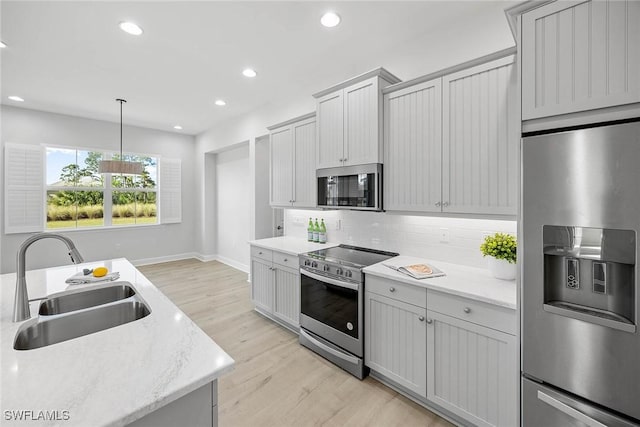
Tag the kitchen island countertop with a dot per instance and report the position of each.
(111, 377)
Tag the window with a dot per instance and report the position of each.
(78, 196)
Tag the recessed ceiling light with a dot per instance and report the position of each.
(16, 98)
(249, 72)
(330, 19)
(177, 127)
(2, 45)
(131, 28)
(220, 102)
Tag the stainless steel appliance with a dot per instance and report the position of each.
(331, 303)
(351, 187)
(580, 296)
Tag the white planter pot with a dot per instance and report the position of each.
(502, 269)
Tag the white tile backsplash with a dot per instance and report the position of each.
(412, 235)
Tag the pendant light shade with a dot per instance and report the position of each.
(121, 166)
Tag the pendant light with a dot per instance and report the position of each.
(120, 166)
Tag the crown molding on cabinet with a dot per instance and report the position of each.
(294, 120)
(379, 72)
(450, 70)
(513, 12)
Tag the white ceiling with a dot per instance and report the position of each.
(70, 57)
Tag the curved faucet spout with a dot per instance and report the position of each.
(21, 302)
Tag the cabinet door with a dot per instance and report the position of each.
(305, 183)
(413, 148)
(472, 371)
(262, 284)
(395, 341)
(281, 153)
(480, 139)
(330, 111)
(287, 296)
(361, 120)
(580, 56)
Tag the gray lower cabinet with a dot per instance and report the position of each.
(458, 355)
(275, 286)
(197, 409)
(396, 341)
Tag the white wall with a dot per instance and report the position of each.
(135, 243)
(233, 192)
(408, 235)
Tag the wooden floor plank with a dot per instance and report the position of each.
(276, 381)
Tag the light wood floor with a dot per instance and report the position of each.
(276, 382)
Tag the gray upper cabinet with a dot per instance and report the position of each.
(350, 120)
(413, 148)
(579, 56)
(451, 143)
(292, 162)
(480, 136)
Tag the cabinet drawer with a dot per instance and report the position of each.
(491, 316)
(286, 260)
(265, 254)
(396, 290)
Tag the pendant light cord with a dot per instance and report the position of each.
(121, 101)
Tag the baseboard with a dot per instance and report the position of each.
(205, 258)
(168, 258)
(233, 263)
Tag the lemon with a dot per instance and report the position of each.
(100, 271)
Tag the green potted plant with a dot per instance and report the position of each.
(501, 250)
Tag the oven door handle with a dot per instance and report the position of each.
(334, 282)
(351, 359)
(568, 410)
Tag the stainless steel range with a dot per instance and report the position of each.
(331, 303)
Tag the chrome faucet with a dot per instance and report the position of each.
(21, 302)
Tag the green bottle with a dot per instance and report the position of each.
(310, 231)
(316, 232)
(322, 237)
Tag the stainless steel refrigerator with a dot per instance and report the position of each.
(580, 295)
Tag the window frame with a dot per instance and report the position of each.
(107, 190)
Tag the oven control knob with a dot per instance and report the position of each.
(314, 264)
(307, 262)
(339, 271)
(347, 273)
(325, 267)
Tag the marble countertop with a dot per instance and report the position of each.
(468, 282)
(111, 377)
(290, 245)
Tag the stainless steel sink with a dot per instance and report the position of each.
(89, 298)
(49, 330)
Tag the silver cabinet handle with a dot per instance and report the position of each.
(438, 203)
(285, 260)
(568, 410)
(260, 253)
(445, 204)
(467, 310)
(429, 321)
(344, 160)
(392, 289)
(421, 318)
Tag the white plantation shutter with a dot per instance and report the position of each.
(170, 191)
(23, 188)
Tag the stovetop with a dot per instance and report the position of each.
(351, 255)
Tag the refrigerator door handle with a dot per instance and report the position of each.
(568, 410)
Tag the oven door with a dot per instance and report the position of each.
(331, 309)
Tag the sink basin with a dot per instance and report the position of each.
(90, 298)
(55, 329)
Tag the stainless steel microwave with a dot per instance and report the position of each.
(351, 187)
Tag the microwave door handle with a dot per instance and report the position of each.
(334, 282)
(568, 410)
